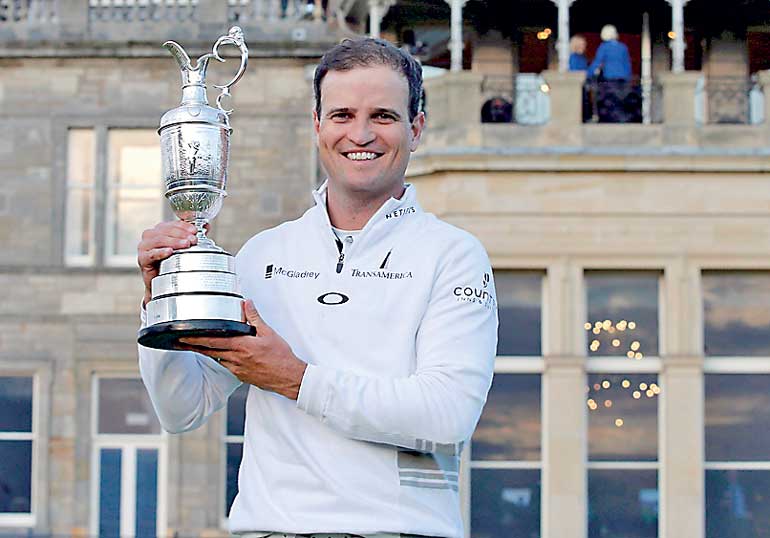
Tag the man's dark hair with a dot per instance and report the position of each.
(370, 52)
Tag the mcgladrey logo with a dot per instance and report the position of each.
(478, 295)
(271, 271)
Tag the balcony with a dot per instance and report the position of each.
(562, 110)
(41, 27)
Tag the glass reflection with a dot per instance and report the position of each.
(16, 404)
(622, 314)
(519, 299)
(736, 504)
(236, 410)
(622, 504)
(125, 407)
(737, 417)
(505, 503)
(15, 476)
(234, 455)
(509, 428)
(622, 417)
(735, 313)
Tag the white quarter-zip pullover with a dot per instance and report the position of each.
(399, 335)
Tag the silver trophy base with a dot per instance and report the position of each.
(195, 294)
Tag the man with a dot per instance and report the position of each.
(376, 331)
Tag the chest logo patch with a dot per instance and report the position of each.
(333, 298)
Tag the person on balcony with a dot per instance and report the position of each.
(577, 57)
(611, 73)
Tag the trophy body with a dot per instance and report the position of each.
(196, 291)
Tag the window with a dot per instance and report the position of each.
(110, 198)
(17, 436)
(622, 398)
(129, 460)
(737, 403)
(505, 450)
(236, 417)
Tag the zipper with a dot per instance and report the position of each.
(342, 254)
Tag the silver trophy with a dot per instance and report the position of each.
(196, 292)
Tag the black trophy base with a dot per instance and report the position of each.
(166, 335)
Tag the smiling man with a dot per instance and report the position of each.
(376, 331)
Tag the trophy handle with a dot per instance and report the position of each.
(234, 37)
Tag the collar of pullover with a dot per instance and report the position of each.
(384, 222)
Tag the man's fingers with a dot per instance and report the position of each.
(252, 316)
(149, 257)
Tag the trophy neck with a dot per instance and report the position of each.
(194, 93)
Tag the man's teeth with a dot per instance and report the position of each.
(361, 156)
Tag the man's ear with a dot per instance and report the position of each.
(417, 128)
(316, 121)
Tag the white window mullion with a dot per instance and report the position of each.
(128, 492)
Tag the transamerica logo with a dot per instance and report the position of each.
(472, 294)
(398, 212)
(391, 275)
(270, 270)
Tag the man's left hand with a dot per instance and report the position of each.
(264, 360)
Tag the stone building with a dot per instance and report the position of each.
(632, 393)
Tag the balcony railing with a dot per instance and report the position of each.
(633, 101)
(729, 100)
(26, 22)
(521, 99)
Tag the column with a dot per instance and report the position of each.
(456, 36)
(377, 11)
(677, 26)
(563, 44)
(679, 94)
(764, 80)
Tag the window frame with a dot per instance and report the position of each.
(128, 444)
(40, 372)
(650, 364)
(513, 364)
(99, 258)
(225, 441)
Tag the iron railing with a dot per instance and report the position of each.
(28, 11)
(616, 101)
(142, 10)
(729, 100)
(522, 99)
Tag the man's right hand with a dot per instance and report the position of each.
(159, 243)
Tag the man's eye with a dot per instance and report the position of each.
(340, 116)
(384, 116)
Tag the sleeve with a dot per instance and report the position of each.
(598, 61)
(436, 408)
(186, 388)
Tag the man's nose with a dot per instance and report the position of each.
(361, 133)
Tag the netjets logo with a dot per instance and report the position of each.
(472, 294)
(271, 271)
(333, 298)
(398, 212)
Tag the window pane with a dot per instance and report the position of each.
(623, 417)
(505, 503)
(81, 150)
(509, 428)
(16, 404)
(622, 314)
(135, 190)
(146, 493)
(735, 314)
(125, 407)
(736, 504)
(519, 299)
(236, 410)
(109, 493)
(737, 417)
(234, 455)
(15, 476)
(622, 504)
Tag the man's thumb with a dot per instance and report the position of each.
(252, 316)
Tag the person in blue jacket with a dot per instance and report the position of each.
(577, 57)
(612, 58)
(617, 99)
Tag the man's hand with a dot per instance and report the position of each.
(159, 243)
(264, 360)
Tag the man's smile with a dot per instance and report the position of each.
(361, 155)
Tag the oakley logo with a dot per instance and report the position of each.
(333, 298)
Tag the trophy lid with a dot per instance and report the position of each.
(194, 107)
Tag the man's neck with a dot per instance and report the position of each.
(353, 212)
